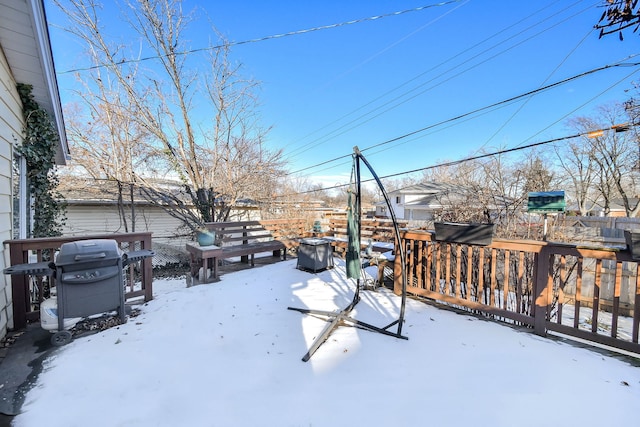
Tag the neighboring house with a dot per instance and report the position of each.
(616, 208)
(420, 201)
(25, 57)
(93, 208)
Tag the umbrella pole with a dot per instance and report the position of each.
(357, 212)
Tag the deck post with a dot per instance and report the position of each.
(541, 280)
(19, 288)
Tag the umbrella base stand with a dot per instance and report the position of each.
(341, 318)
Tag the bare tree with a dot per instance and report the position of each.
(200, 124)
(108, 143)
(614, 155)
(619, 15)
(632, 109)
(579, 174)
(492, 190)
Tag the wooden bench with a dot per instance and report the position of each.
(244, 239)
(380, 232)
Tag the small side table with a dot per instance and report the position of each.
(314, 255)
(200, 256)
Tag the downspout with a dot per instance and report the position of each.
(22, 198)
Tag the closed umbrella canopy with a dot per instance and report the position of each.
(353, 245)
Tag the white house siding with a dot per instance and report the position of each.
(85, 218)
(398, 207)
(418, 215)
(89, 219)
(11, 125)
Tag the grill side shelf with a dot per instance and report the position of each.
(35, 268)
(135, 256)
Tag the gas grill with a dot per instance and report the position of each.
(89, 280)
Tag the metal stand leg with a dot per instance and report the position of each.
(342, 318)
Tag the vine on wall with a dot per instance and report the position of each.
(39, 150)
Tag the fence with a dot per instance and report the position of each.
(588, 293)
(30, 290)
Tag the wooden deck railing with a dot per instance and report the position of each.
(587, 293)
(29, 291)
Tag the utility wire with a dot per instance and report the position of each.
(479, 156)
(626, 77)
(299, 150)
(526, 101)
(274, 36)
(404, 97)
(506, 101)
(593, 98)
(517, 147)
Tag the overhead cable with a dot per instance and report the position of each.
(412, 93)
(588, 134)
(505, 101)
(274, 36)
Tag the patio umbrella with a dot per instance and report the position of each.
(354, 266)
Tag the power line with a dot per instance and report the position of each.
(521, 107)
(506, 101)
(480, 156)
(411, 94)
(299, 150)
(616, 127)
(593, 98)
(274, 36)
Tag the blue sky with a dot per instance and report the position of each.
(326, 91)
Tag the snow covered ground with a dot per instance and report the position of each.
(229, 354)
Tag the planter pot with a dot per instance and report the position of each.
(205, 238)
(468, 234)
(632, 238)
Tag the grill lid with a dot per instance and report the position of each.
(88, 251)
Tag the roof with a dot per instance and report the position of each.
(432, 201)
(426, 188)
(103, 192)
(615, 205)
(24, 38)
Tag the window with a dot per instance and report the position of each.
(398, 199)
(19, 190)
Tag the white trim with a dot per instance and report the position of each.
(46, 56)
(22, 190)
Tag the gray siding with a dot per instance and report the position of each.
(95, 219)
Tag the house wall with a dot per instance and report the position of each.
(382, 211)
(11, 125)
(88, 219)
(418, 215)
(411, 206)
(169, 237)
(397, 204)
